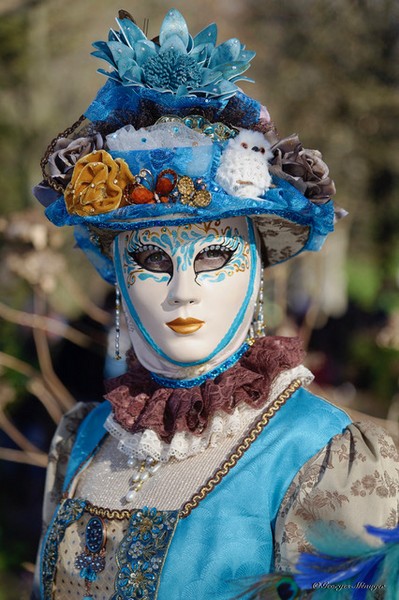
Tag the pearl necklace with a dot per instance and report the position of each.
(142, 470)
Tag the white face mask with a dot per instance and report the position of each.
(188, 289)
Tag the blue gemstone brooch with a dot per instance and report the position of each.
(92, 560)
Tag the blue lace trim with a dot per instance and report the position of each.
(142, 553)
(70, 511)
(189, 383)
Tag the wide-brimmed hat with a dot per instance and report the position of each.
(170, 140)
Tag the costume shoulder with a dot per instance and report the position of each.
(352, 482)
(60, 450)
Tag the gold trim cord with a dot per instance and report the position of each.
(240, 450)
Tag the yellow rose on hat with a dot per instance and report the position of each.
(97, 184)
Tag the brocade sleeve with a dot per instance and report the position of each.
(352, 482)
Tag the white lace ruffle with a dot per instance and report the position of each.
(147, 444)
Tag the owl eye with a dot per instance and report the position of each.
(262, 150)
(244, 145)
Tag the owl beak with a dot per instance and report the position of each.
(255, 149)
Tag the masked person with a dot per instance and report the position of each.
(208, 460)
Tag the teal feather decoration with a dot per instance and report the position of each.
(342, 566)
(355, 568)
(175, 62)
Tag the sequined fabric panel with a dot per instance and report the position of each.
(70, 511)
(142, 553)
(69, 585)
(134, 555)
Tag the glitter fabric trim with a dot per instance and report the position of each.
(107, 513)
(142, 553)
(240, 450)
(70, 511)
(189, 383)
(216, 131)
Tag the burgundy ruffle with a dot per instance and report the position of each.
(139, 403)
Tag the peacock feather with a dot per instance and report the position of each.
(342, 566)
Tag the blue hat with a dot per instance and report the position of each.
(170, 140)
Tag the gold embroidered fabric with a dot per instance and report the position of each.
(353, 481)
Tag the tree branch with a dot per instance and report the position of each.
(15, 435)
(45, 324)
(35, 384)
(94, 311)
(37, 459)
(65, 399)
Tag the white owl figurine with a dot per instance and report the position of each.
(244, 169)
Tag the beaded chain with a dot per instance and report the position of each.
(142, 470)
(117, 322)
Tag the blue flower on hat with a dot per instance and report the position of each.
(175, 63)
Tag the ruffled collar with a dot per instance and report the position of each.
(139, 403)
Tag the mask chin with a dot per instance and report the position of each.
(189, 321)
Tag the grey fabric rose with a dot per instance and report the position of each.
(66, 154)
(303, 168)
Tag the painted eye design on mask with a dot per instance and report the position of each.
(152, 258)
(212, 258)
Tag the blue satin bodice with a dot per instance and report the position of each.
(227, 540)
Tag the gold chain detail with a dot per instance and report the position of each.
(107, 513)
(240, 450)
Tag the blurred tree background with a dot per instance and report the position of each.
(327, 70)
